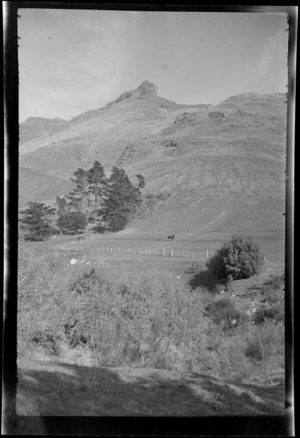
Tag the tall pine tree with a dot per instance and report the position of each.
(97, 183)
(79, 198)
(36, 221)
(122, 200)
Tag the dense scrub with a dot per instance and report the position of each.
(138, 319)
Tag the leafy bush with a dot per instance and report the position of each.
(48, 339)
(238, 258)
(223, 310)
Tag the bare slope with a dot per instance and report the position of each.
(224, 158)
(35, 186)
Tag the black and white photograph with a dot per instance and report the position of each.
(154, 217)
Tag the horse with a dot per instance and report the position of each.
(171, 237)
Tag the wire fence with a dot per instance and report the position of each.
(167, 252)
(162, 252)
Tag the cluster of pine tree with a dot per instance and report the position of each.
(109, 203)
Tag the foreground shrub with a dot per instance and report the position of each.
(120, 317)
(274, 289)
(253, 354)
(238, 258)
(223, 311)
(274, 312)
(133, 319)
(267, 341)
(41, 279)
(48, 339)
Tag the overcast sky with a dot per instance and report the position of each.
(71, 61)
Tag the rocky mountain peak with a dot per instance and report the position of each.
(147, 88)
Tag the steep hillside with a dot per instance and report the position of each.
(35, 127)
(35, 186)
(229, 156)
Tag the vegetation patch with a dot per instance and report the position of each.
(108, 203)
(124, 317)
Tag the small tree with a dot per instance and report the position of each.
(36, 221)
(72, 222)
(238, 258)
(141, 180)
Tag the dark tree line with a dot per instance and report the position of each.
(107, 202)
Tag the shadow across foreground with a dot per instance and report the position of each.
(59, 390)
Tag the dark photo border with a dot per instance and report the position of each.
(13, 424)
